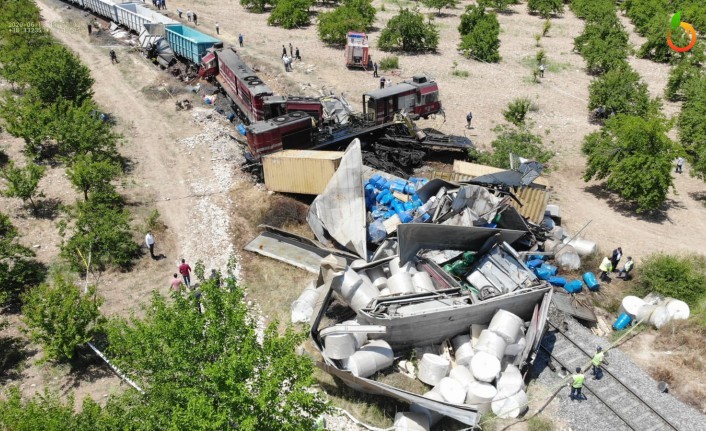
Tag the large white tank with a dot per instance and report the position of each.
(303, 307)
(492, 343)
(463, 375)
(584, 247)
(507, 325)
(678, 310)
(644, 313)
(422, 282)
(339, 346)
(476, 330)
(480, 395)
(510, 380)
(452, 391)
(378, 277)
(360, 337)
(371, 358)
(485, 367)
(433, 368)
(631, 305)
(659, 317)
(400, 283)
(507, 404)
(355, 291)
(463, 351)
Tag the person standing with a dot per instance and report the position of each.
(90, 28)
(597, 360)
(175, 283)
(196, 19)
(605, 267)
(375, 69)
(615, 258)
(164, 4)
(576, 384)
(179, 12)
(296, 54)
(149, 240)
(541, 70)
(240, 39)
(680, 165)
(188, 15)
(113, 56)
(388, 82)
(284, 51)
(291, 51)
(625, 272)
(218, 29)
(185, 271)
(382, 82)
(469, 118)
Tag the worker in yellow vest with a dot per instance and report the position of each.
(597, 360)
(606, 267)
(576, 384)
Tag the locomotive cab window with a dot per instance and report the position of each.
(431, 98)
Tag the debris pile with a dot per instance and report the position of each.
(390, 203)
(653, 309)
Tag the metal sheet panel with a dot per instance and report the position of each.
(300, 171)
(418, 236)
(466, 171)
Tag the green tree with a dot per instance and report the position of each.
(18, 47)
(517, 110)
(60, 318)
(55, 73)
(656, 48)
(641, 12)
(545, 8)
(243, 383)
(691, 124)
(90, 172)
(18, 270)
(99, 232)
(290, 13)
(257, 6)
(408, 32)
(680, 76)
(29, 119)
(480, 33)
(680, 277)
(603, 45)
(440, 4)
(364, 7)
(593, 10)
(519, 141)
(23, 183)
(353, 15)
(634, 156)
(621, 91)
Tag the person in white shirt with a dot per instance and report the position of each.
(149, 240)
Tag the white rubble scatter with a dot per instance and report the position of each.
(341, 422)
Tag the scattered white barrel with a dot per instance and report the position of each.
(659, 317)
(360, 337)
(631, 305)
(378, 277)
(409, 421)
(644, 313)
(678, 310)
(463, 375)
(492, 343)
(394, 265)
(421, 281)
(400, 283)
(371, 358)
(475, 332)
(339, 346)
(364, 276)
(433, 416)
(485, 367)
(507, 325)
(433, 368)
(463, 351)
(584, 247)
(480, 395)
(452, 390)
(355, 291)
(507, 404)
(303, 307)
(385, 292)
(515, 349)
(510, 380)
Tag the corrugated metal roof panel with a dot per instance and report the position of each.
(472, 170)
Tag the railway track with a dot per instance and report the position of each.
(610, 390)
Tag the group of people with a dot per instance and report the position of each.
(191, 16)
(578, 378)
(287, 59)
(160, 4)
(610, 264)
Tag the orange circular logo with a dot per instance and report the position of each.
(690, 31)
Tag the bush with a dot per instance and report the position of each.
(603, 45)
(545, 8)
(389, 62)
(408, 32)
(257, 6)
(353, 15)
(691, 124)
(440, 4)
(60, 318)
(517, 110)
(680, 77)
(18, 271)
(621, 91)
(480, 33)
(546, 27)
(518, 141)
(23, 183)
(593, 10)
(290, 13)
(680, 277)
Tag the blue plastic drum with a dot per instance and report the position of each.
(574, 286)
(590, 279)
(622, 322)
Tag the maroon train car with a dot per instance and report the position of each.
(419, 97)
(276, 106)
(289, 131)
(240, 83)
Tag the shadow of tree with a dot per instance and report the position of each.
(699, 197)
(47, 208)
(617, 204)
(13, 352)
(85, 366)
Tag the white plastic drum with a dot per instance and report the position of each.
(422, 282)
(678, 310)
(463, 351)
(631, 305)
(394, 265)
(339, 346)
(400, 283)
(452, 391)
(378, 277)
(515, 349)
(507, 325)
(659, 317)
(463, 375)
(643, 315)
(360, 337)
(584, 247)
(385, 292)
(303, 307)
(408, 421)
(475, 333)
(480, 395)
(371, 358)
(509, 405)
(433, 368)
(510, 380)
(485, 367)
(492, 343)
(433, 416)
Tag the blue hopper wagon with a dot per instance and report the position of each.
(189, 43)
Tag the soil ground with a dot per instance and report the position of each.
(185, 169)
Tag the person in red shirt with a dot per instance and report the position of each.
(185, 271)
(175, 283)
